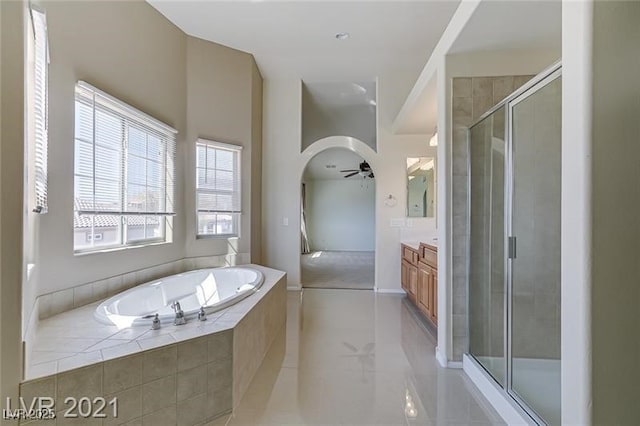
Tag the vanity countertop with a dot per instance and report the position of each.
(431, 242)
(415, 244)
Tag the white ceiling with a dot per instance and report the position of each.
(511, 25)
(509, 30)
(297, 39)
(341, 158)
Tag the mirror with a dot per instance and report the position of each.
(421, 187)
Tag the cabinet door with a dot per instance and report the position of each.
(413, 282)
(423, 299)
(404, 275)
(434, 297)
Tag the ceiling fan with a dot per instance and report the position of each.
(364, 171)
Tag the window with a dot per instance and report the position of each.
(217, 188)
(124, 174)
(37, 90)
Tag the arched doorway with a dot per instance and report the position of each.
(337, 216)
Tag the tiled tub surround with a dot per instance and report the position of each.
(57, 302)
(51, 304)
(176, 375)
(472, 97)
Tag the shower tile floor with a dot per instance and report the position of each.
(356, 357)
(338, 269)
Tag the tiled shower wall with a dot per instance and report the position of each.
(472, 97)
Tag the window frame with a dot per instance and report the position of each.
(37, 111)
(235, 214)
(129, 118)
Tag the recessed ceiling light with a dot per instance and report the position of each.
(342, 36)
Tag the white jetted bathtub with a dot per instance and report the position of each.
(214, 289)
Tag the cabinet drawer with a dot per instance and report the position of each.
(410, 255)
(429, 256)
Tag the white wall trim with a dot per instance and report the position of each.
(441, 357)
(494, 395)
(576, 224)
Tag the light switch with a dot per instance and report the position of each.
(397, 222)
(285, 221)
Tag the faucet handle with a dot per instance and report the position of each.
(155, 324)
(202, 315)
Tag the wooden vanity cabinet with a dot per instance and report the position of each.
(429, 263)
(409, 272)
(419, 277)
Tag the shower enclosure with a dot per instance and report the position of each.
(514, 245)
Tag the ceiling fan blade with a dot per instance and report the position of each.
(351, 174)
(350, 170)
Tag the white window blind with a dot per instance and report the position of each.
(217, 188)
(124, 173)
(40, 110)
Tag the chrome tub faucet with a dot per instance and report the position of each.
(180, 319)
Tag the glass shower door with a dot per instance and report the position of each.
(487, 260)
(535, 264)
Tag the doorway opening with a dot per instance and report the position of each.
(338, 221)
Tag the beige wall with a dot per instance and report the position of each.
(615, 202)
(103, 44)
(223, 87)
(340, 214)
(11, 175)
(256, 164)
(283, 165)
(600, 200)
(321, 119)
(199, 88)
(132, 52)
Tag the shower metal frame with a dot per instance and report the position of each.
(519, 95)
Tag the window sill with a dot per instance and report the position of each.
(119, 248)
(217, 237)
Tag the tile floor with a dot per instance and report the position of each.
(338, 269)
(356, 357)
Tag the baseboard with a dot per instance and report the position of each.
(389, 290)
(492, 392)
(442, 358)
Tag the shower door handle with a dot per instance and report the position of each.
(512, 248)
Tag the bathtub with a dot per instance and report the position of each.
(214, 289)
